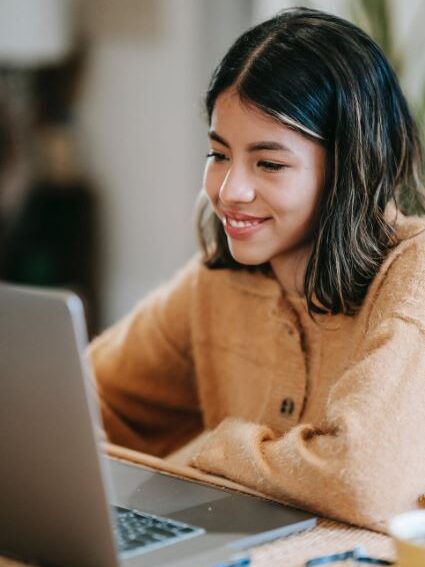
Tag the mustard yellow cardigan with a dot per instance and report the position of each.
(328, 415)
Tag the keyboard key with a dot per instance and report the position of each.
(137, 531)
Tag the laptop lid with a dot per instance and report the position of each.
(47, 442)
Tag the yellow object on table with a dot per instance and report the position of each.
(408, 531)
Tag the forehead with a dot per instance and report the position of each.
(230, 110)
(239, 122)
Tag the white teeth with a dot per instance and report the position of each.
(241, 224)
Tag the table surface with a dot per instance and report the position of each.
(293, 551)
(327, 537)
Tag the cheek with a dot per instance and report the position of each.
(298, 195)
(283, 198)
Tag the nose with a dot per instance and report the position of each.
(236, 188)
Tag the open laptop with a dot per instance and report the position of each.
(64, 504)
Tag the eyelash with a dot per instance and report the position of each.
(217, 156)
(267, 165)
(271, 165)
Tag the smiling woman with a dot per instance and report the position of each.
(264, 181)
(327, 82)
(301, 324)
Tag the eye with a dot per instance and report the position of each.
(271, 165)
(216, 156)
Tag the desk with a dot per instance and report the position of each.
(292, 551)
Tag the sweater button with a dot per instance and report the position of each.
(287, 407)
(289, 329)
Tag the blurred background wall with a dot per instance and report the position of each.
(107, 136)
(144, 133)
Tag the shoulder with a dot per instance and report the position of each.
(405, 262)
(399, 285)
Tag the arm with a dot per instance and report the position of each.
(144, 372)
(366, 460)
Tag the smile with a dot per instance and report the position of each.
(241, 224)
(242, 229)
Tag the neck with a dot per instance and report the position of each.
(289, 269)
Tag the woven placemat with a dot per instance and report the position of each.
(326, 538)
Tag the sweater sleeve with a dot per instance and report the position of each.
(366, 461)
(144, 372)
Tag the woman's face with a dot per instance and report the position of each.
(263, 180)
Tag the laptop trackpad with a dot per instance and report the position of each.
(210, 508)
(156, 493)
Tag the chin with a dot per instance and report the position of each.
(249, 258)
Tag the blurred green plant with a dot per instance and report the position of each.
(377, 18)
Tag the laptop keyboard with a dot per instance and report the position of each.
(137, 532)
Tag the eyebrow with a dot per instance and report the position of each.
(255, 146)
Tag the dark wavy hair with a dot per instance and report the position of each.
(326, 78)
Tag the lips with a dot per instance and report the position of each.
(241, 226)
(240, 219)
(235, 223)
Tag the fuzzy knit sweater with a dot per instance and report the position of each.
(327, 415)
